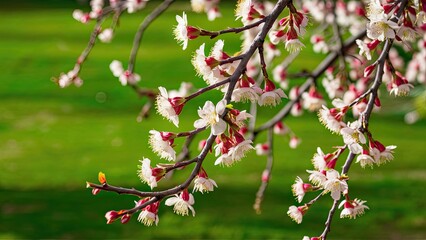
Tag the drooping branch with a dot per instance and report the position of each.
(142, 28)
(266, 173)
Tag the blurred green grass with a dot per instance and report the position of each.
(52, 140)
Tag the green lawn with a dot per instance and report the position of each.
(52, 140)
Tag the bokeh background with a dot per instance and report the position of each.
(52, 140)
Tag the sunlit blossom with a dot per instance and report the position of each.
(335, 184)
(161, 146)
(210, 115)
(182, 203)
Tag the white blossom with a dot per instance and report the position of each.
(271, 98)
(180, 31)
(335, 184)
(160, 147)
(295, 213)
(145, 173)
(365, 159)
(204, 184)
(106, 35)
(210, 116)
(165, 108)
(352, 209)
(352, 136)
(148, 218)
(182, 203)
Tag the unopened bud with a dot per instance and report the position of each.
(102, 178)
(95, 191)
(368, 70)
(125, 218)
(111, 216)
(265, 176)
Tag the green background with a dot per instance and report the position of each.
(52, 140)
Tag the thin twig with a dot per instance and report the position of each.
(142, 27)
(268, 170)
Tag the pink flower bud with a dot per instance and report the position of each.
(284, 21)
(377, 102)
(307, 187)
(265, 176)
(388, 7)
(243, 130)
(111, 216)
(253, 14)
(372, 45)
(269, 86)
(167, 136)
(142, 201)
(348, 205)
(158, 173)
(201, 144)
(379, 146)
(177, 103)
(95, 191)
(360, 11)
(192, 32)
(211, 62)
(185, 195)
(125, 218)
(368, 70)
(332, 163)
(294, 142)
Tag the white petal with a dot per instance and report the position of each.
(219, 127)
(172, 201)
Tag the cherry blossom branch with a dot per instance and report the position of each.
(161, 194)
(329, 219)
(213, 34)
(262, 63)
(314, 200)
(332, 211)
(231, 59)
(360, 98)
(142, 27)
(208, 88)
(365, 116)
(266, 173)
(95, 32)
(258, 41)
(322, 67)
(200, 158)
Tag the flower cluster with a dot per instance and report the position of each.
(124, 76)
(350, 75)
(291, 29)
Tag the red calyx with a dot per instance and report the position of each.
(269, 86)
(192, 32)
(185, 195)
